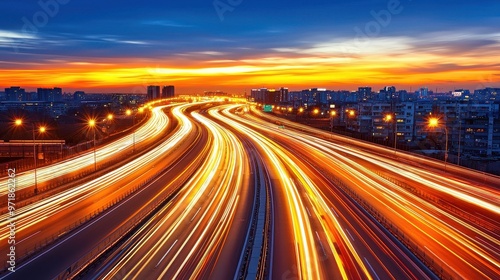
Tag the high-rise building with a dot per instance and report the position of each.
(168, 92)
(423, 92)
(283, 95)
(267, 96)
(15, 94)
(386, 94)
(364, 93)
(49, 94)
(153, 92)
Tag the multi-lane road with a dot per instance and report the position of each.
(228, 194)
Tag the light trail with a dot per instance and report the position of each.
(198, 220)
(145, 133)
(449, 234)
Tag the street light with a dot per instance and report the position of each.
(110, 117)
(388, 118)
(434, 122)
(351, 114)
(41, 129)
(92, 124)
(332, 115)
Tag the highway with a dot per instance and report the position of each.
(339, 209)
(330, 239)
(144, 135)
(199, 234)
(449, 220)
(48, 219)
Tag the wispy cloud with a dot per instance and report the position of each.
(166, 23)
(16, 35)
(115, 39)
(17, 40)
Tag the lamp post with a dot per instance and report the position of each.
(388, 118)
(332, 116)
(41, 129)
(434, 122)
(299, 111)
(92, 124)
(351, 116)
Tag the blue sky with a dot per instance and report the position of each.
(189, 32)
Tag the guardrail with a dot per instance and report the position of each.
(253, 261)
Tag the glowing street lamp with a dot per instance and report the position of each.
(41, 129)
(332, 116)
(433, 123)
(110, 117)
(92, 125)
(388, 118)
(349, 120)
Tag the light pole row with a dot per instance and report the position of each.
(41, 129)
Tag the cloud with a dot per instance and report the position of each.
(166, 23)
(16, 35)
(17, 40)
(114, 39)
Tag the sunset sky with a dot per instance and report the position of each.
(236, 45)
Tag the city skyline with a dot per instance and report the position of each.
(238, 45)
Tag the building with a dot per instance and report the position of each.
(283, 95)
(16, 94)
(364, 93)
(371, 119)
(405, 121)
(476, 130)
(264, 95)
(423, 111)
(168, 92)
(423, 93)
(153, 92)
(49, 94)
(79, 96)
(386, 94)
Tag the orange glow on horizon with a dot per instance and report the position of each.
(302, 72)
